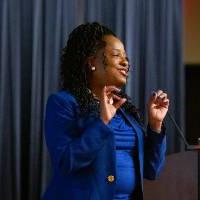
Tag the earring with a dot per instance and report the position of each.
(93, 68)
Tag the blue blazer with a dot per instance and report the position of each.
(82, 152)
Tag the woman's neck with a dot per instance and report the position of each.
(96, 92)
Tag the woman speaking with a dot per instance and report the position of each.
(98, 145)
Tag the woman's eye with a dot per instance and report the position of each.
(115, 54)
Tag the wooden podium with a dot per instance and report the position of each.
(178, 180)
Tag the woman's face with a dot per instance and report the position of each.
(111, 64)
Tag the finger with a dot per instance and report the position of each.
(116, 97)
(110, 94)
(161, 99)
(153, 97)
(103, 92)
(108, 91)
(162, 96)
(165, 100)
(119, 103)
(164, 103)
(111, 88)
(159, 92)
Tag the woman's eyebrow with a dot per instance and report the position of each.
(116, 49)
(123, 52)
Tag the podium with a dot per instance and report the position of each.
(178, 180)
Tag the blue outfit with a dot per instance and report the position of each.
(126, 144)
(86, 159)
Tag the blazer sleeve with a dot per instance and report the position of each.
(154, 153)
(67, 152)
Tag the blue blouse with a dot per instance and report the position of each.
(126, 143)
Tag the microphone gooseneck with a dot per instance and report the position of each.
(180, 132)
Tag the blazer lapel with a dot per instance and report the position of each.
(133, 123)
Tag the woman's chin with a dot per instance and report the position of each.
(120, 83)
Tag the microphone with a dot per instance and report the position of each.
(181, 134)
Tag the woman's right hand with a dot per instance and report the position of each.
(109, 103)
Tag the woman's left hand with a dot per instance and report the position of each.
(157, 109)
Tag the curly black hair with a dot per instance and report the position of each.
(84, 41)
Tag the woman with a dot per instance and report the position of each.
(93, 132)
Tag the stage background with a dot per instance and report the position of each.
(31, 38)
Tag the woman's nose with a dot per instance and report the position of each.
(124, 62)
